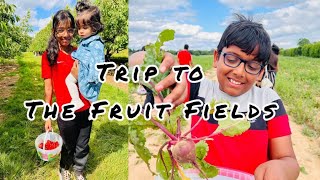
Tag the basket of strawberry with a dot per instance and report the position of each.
(48, 145)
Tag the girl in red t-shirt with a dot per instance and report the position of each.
(56, 65)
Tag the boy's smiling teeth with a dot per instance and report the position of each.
(234, 82)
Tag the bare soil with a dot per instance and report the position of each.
(110, 81)
(7, 83)
(307, 149)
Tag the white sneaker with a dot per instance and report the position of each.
(79, 175)
(64, 174)
(141, 90)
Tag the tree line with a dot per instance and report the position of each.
(14, 30)
(193, 52)
(305, 48)
(115, 34)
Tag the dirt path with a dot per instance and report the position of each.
(7, 83)
(307, 150)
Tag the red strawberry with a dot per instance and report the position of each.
(49, 145)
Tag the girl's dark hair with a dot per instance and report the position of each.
(89, 15)
(53, 46)
(247, 35)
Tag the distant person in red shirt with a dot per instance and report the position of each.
(184, 56)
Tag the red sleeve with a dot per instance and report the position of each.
(188, 90)
(45, 67)
(279, 126)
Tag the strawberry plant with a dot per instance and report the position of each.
(180, 151)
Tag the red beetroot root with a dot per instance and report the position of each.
(184, 151)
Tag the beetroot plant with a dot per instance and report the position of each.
(180, 151)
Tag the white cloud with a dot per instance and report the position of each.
(287, 24)
(250, 4)
(23, 6)
(148, 18)
(44, 4)
(40, 23)
(139, 8)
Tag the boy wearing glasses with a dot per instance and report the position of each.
(265, 150)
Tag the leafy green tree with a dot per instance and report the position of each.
(303, 41)
(115, 21)
(115, 34)
(14, 37)
(7, 20)
(40, 41)
(24, 28)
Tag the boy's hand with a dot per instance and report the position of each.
(74, 69)
(271, 170)
(47, 125)
(179, 90)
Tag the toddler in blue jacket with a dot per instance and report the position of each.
(89, 52)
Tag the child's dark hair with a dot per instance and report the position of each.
(247, 35)
(273, 61)
(53, 46)
(275, 49)
(186, 46)
(89, 15)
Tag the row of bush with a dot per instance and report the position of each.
(193, 52)
(310, 50)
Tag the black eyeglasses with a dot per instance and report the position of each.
(251, 67)
(60, 32)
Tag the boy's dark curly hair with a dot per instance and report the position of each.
(247, 35)
(88, 15)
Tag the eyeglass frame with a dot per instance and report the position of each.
(73, 31)
(241, 61)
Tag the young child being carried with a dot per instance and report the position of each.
(89, 52)
(264, 150)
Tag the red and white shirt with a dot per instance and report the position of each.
(250, 149)
(58, 73)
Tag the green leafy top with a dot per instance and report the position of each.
(154, 56)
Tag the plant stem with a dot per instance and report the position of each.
(159, 94)
(164, 129)
(161, 156)
(193, 127)
(178, 135)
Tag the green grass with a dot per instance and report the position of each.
(123, 53)
(297, 84)
(205, 61)
(108, 158)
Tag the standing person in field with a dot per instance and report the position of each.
(184, 56)
(265, 149)
(89, 53)
(268, 77)
(56, 65)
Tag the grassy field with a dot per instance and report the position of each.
(205, 61)
(18, 159)
(297, 84)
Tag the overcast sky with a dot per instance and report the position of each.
(198, 23)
